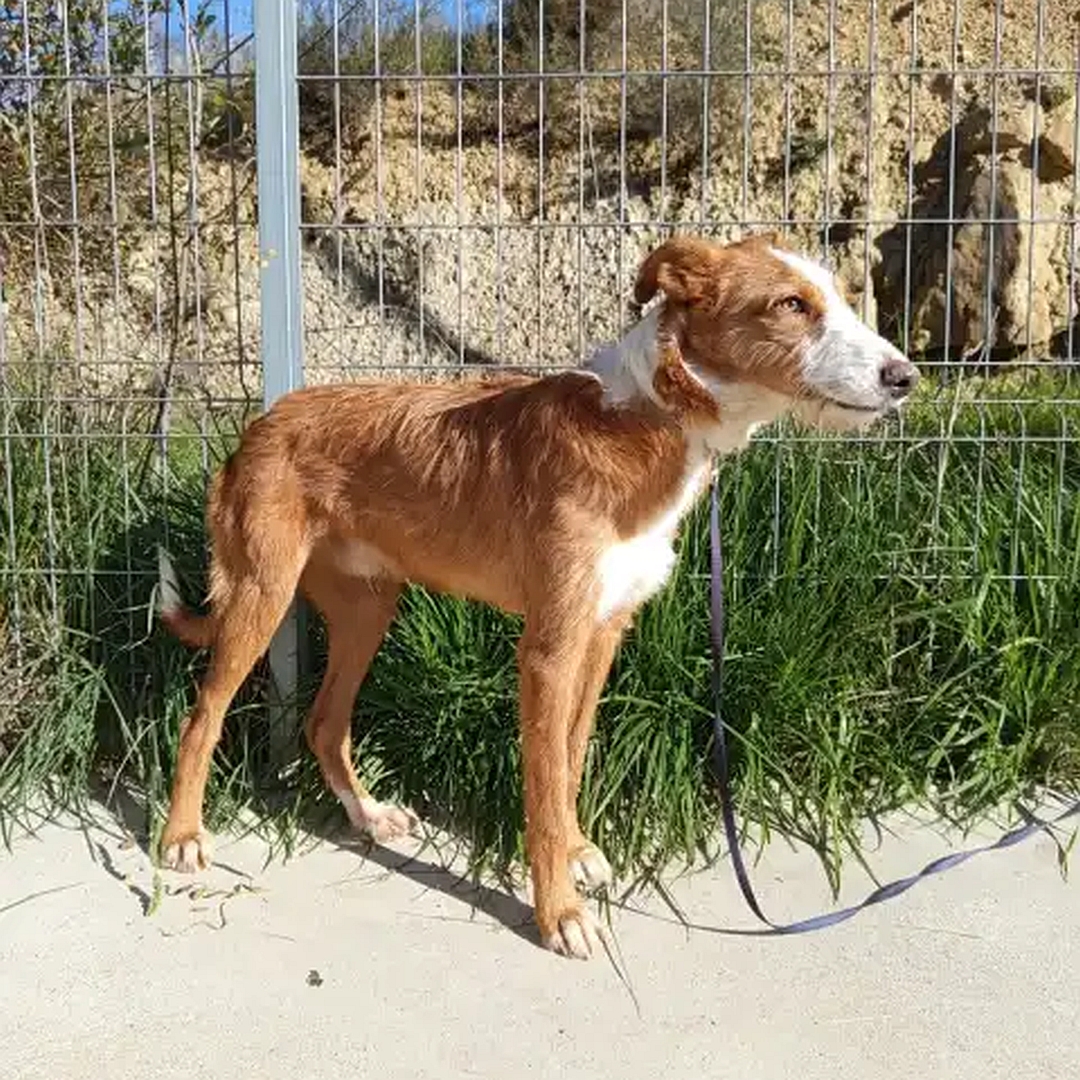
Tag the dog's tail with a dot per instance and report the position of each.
(196, 631)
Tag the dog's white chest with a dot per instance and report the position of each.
(632, 570)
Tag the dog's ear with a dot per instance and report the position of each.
(684, 268)
(678, 388)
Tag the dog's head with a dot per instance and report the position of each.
(754, 317)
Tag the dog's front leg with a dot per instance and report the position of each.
(588, 866)
(549, 662)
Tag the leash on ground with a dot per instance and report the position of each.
(727, 805)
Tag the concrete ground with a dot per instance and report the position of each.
(339, 963)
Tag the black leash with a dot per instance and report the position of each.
(727, 806)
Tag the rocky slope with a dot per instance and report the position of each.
(450, 230)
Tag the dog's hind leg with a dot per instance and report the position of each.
(260, 545)
(358, 612)
(245, 621)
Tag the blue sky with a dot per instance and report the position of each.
(241, 15)
(240, 11)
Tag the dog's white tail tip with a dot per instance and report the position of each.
(169, 600)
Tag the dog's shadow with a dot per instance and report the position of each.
(496, 902)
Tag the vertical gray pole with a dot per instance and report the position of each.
(277, 140)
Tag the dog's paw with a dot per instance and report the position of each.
(381, 821)
(578, 935)
(187, 853)
(589, 868)
(389, 822)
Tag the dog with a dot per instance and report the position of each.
(557, 498)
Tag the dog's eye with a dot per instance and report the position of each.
(794, 304)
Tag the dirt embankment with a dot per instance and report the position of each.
(457, 225)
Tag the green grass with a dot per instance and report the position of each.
(902, 626)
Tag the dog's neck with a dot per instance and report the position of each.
(626, 368)
(626, 371)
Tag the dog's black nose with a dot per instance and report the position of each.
(899, 376)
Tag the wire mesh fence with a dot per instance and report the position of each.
(479, 180)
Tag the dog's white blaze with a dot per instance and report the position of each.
(632, 570)
(845, 361)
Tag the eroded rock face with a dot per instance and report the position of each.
(451, 229)
(992, 250)
(958, 270)
(1057, 144)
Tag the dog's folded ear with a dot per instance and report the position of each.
(683, 268)
(678, 388)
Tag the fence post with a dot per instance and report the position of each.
(277, 139)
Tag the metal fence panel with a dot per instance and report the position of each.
(478, 181)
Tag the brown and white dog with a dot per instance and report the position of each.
(557, 498)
